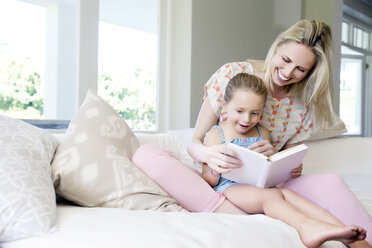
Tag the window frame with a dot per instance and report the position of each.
(362, 94)
(87, 19)
(366, 111)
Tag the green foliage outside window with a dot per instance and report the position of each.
(132, 96)
(21, 94)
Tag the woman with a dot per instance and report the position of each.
(298, 75)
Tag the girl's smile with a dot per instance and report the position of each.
(244, 110)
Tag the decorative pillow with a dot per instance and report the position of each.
(27, 197)
(92, 166)
(334, 131)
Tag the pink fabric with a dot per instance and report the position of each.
(178, 180)
(329, 191)
(193, 193)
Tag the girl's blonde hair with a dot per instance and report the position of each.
(316, 89)
(245, 81)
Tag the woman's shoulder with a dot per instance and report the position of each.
(257, 65)
(237, 67)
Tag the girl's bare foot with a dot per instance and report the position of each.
(314, 234)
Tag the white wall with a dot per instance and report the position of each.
(226, 31)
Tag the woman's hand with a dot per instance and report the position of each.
(296, 172)
(263, 146)
(221, 159)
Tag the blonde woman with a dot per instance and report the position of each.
(298, 75)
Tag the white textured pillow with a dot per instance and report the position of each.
(27, 197)
(92, 166)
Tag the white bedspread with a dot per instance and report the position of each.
(118, 228)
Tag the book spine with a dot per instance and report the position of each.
(261, 182)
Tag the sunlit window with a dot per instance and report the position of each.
(22, 59)
(39, 59)
(127, 60)
(345, 32)
(355, 83)
(351, 93)
(361, 38)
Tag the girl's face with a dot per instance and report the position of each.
(291, 63)
(244, 110)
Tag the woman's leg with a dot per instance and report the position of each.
(272, 202)
(179, 181)
(331, 193)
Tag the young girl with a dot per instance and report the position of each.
(244, 100)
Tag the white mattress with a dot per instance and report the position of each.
(111, 228)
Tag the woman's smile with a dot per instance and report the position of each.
(281, 77)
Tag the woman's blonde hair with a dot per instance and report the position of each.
(316, 89)
(245, 81)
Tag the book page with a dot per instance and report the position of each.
(287, 152)
(281, 168)
(253, 165)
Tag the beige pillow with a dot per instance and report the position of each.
(336, 130)
(92, 165)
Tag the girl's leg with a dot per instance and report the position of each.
(179, 181)
(272, 203)
(307, 207)
(331, 193)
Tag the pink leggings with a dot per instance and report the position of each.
(187, 187)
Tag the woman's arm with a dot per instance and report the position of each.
(211, 176)
(218, 157)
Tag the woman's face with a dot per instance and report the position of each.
(291, 63)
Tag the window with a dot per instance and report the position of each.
(127, 62)
(361, 38)
(345, 32)
(351, 93)
(40, 62)
(355, 83)
(22, 63)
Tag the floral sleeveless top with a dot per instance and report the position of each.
(286, 119)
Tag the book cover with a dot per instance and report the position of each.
(263, 171)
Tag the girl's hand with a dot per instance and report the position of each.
(296, 172)
(221, 159)
(263, 146)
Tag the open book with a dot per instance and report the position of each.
(263, 171)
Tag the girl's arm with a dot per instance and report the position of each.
(263, 146)
(217, 156)
(211, 176)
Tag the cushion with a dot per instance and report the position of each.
(27, 197)
(333, 131)
(92, 165)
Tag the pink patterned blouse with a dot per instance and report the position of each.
(286, 119)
